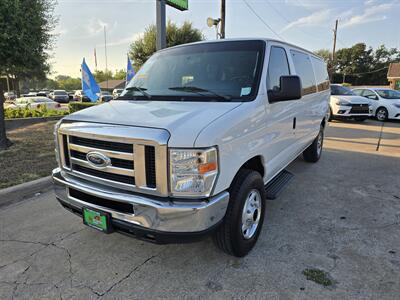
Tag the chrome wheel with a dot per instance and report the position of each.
(251, 214)
(381, 114)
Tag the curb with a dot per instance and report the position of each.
(24, 191)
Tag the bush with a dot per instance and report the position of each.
(76, 106)
(16, 113)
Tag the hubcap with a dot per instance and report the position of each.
(251, 214)
(381, 115)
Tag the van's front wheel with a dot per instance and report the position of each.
(314, 151)
(242, 224)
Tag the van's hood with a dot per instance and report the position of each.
(352, 99)
(184, 120)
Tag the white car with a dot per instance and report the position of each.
(116, 93)
(196, 143)
(385, 102)
(34, 103)
(344, 103)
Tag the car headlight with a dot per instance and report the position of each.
(343, 103)
(193, 171)
(55, 132)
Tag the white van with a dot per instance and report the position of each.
(196, 143)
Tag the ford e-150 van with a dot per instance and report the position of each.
(196, 142)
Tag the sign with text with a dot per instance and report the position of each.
(179, 4)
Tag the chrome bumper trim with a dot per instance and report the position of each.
(164, 216)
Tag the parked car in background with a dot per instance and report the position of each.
(43, 93)
(344, 103)
(116, 93)
(385, 103)
(35, 102)
(80, 96)
(30, 94)
(105, 96)
(71, 95)
(205, 152)
(59, 96)
(10, 96)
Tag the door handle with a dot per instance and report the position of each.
(294, 123)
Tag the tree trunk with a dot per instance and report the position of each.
(4, 141)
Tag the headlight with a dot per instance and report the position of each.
(55, 132)
(193, 171)
(343, 103)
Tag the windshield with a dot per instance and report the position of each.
(224, 71)
(388, 94)
(339, 90)
(59, 93)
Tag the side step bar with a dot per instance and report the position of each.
(277, 184)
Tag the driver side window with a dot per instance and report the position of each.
(370, 95)
(278, 66)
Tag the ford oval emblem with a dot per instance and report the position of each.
(98, 160)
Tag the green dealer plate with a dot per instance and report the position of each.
(97, 219)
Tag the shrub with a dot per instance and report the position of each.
(76, 106)
(16, 113)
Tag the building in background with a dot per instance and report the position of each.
(112, 84)
(394, 76)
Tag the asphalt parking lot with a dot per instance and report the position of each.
(341, 215)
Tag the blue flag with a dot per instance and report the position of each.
(89, 85)
(130, 72)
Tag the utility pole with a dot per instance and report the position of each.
(222, 34)
(161, 40)
(334, 40)
(334, 49)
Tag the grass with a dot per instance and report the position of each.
(30, 157)
(318, 276)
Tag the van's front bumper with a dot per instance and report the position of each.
(159, 219)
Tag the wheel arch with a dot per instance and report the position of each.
(256, 163)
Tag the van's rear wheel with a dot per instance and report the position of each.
(244, 217)
(314, 151)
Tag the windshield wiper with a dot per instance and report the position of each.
(197, 90)
(138, 89)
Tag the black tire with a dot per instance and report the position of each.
(314, 151)
(229, 236)
(381, 114)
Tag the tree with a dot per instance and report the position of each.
(68, 83)
(144, 47)
(101, 76)
(120, 74)
(25, 42)
(361, 65)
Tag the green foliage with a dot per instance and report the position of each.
(318, 276)
(16, 113)
(68, 83)
(144, 47)
(76, 106)
(101, 76)
(120, 74)
(360, 65)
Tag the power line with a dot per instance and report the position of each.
(262, 20)
(374, 71)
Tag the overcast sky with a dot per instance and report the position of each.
(307, 23)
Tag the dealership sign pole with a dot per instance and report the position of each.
(161, 19)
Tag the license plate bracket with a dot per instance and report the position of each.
(97, 219)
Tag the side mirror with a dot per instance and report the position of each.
(290, 89)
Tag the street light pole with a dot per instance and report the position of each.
(161, 40)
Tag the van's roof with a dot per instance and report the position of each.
(247, 39)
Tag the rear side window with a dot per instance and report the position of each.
(278, 66)
(321, 74)
(304, 70)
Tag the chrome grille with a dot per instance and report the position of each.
(136, 164)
